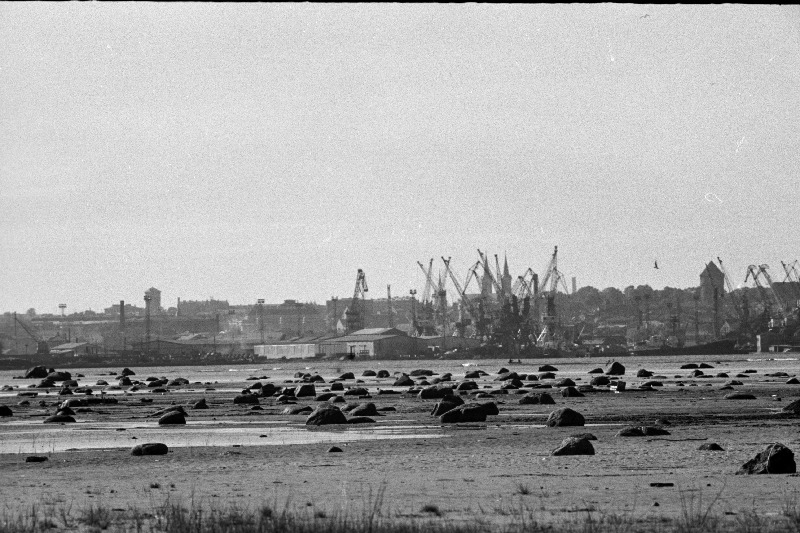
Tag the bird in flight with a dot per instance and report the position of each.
(656, 265)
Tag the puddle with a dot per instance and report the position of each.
(49, 439)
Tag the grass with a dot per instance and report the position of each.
(697, 516)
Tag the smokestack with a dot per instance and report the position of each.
(122, 314)
(574, 285)
(178, 312)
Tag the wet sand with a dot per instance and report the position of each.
(230, 454)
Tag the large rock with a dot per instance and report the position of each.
(566, 382)
(565, 417)
(37, 372)
(548, 368)
(571, 392)
(574, 446)
(360, 420)
(127, 372)
(467, 385)
(356, 391)
(200, 404)
(306, 389)
(268, 389)
(6, 411)
(507, 375)
(600, 381)
(325, 415)
(297, 410)
(616, 369)
(775, 459)
(58, 419)
(739, 396)
(433, 393)
(642, 373)
(150, 448)
(403, 381)
(383, 374)
(422, 372)
(172, 418)
(537, 398)
(347, 375)
(464, 413)
(59, 376)
(246, 399)
(365, 409)
(444, 406)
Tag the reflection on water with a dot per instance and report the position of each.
(50, 439)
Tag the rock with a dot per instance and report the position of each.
(324, 415)
(652, 431)
(616, 369)
(739, 396)
(537, 398)
(150, 448)
(490, 408)
(179, 382)
(507, 375)
(696, 373)
(368, 374)
(356, 391)
(566, 382)
(596, 371)
(432, 393)
(571, 392)
(297, 410)
(268, 389)
(306, 389)
(360, 420)
(587, 436)
(565, 417)
(704, 365)
(793, 381)
(403, 381)
(503, 370)
(35, 459)
(548, 368)
(383, 374)
(574, 446)
(630, 431)
(37, 372)
(688, 366)
(422, 372)
(325, 396)
(442, 407)
(59, 419)
(127, 372)
(200, 404)
(792, 407)
(6, 411)
(246, 399)
(464, 413)
(775, 459)
(334, 449)
(366, 409)
(172, 418)
(65, 411)
(547, 375)
(600, 381)
(642, 373)
(467, 385)
(475, 374)
(711, 447)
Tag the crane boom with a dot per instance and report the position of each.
(488, 272)
(772, 291)
(355, 314)
(42, 347)
(426, 294)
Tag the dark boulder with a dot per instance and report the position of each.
(793, 407)
(433, 393)
(704, 365)
(507, 375)
(566, 382)
(642, 373)
(596, 371)
(58, 419)
(600, 381)
(688, 366)
(630, 431)
(360, 420)
(325, 415)
(490, 408)
(574, 446)
(775, 459)
(347, 375)
(739, 396)
(356, 391)
(547, 375)
(653, 431)
(268, 389)
(464, 413)
(325, 396)
(503, 370)
(150, 448)
(6, 411)
(37, 372)
(711, 447)
(127, 372)
(475, 374)
(337, 386)
(35, 459)
(565, 417)
(403, 381)
(537, 398)
(548, 368)
(422, 372)
(571, 392)
(172, 418)
(368, 374)
(366, 409)
(587, 436)
(793, 381)
(306, 389)
(616, 369)
(467, 385)
(383, 374)
(246, 399)
(442, 407)
(200, 404)
(297, 410)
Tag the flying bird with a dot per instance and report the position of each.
(656, 266)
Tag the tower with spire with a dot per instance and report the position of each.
(505, 282)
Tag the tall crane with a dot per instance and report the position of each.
(755, 272)
(777, 299)
(426, 319)
(737, 303)
(42, 348)
(472, 310)
(793, 277)
(488, 272)
(355, 313)
(549, 286)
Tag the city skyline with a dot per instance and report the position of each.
(269, 151)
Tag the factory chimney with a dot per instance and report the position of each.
(122, 315)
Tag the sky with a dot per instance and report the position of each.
(246, 151)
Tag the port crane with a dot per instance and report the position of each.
(755, 272)
(355, 313)
(475, 312)
(427, 322)
(793, 277)
(42, 348)
(776, 298)
(739, 305)
(550, 285)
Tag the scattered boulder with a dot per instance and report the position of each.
(464, 413)
(596, 371)
(200, 404)
(574, 446)
(652, 431)
(360, 420)
(324, 415)
(642, 373)
(793, 381)
(548, 368)
(127, 372)
(356, 391)
(600, 381)
(6, 411)
(475, 374)
(172, 418)
(150, 448)
(37, 372)
(297, 410)
(403, 381)
(775, 459)
(571, 392)
(58, 419)
(566, 382)
(246, 399)
(739, 396)
(305, 389)
(587, 436)
(630, 431)
(35, 459)
(383, 374)
(616, 369)
(688, 366)
(565, 417)
(711, 447)
(506, 376)
(337, 386)
(324, 397)
(444, 406)
(422, 372)
(467, 385)
(334, 449)
(368, 374)
(366, 409)
(537, 398)
(792, 407)
(547, 375)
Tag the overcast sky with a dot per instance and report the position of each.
(249, 151)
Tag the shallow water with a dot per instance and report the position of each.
(39, 438)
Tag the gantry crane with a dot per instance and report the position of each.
(755, 272)
(355, 313)
(793, 277)
(738, 305)
(475, 313)
(426, 318)
(775, 297)
(42, 348)
(549, 286)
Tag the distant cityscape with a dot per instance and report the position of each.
(711, 310)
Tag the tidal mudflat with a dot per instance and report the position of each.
(651, 457)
